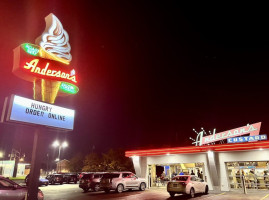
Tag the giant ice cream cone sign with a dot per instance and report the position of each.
(47, 63)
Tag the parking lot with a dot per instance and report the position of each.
(72, 191)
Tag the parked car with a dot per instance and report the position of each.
(187, 184)
(55, 178)
(120, 181)
(42, 181)
(91, 181)
(80, 174)
(12, 191)
(68, 178)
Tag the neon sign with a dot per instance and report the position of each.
(252, 129)
(47, 62)
(30, 49)
(68, 88)
(247, 139)
(46, 71)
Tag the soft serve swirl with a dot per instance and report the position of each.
(55, 39)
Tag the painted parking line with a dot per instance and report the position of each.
(265, 197)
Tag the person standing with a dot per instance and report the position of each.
(198, 173)
(266, 179)
(238, 179)
(252, 179)
(201, 175)
(192, 173)
(174, 174)
(163, 177)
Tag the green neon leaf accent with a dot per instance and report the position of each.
(68, 88)
(30, 49)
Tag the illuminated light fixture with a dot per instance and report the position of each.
(65, 144)
(261, 149)
(56, 143)
(168, 154)
(68, 88)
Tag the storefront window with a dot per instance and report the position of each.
(159, 175)
(254, 174)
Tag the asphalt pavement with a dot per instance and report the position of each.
(73, 192)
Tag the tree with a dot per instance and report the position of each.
(76, 163)
(92, 163)
(115, 160)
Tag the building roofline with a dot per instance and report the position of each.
(200, 149)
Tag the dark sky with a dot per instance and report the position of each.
(149, 72)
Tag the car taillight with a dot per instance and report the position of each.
(40, 194)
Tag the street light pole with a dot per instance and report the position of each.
(60, 146)
(59, 158)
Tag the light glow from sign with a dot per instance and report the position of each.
(68, 88)
(35, 112)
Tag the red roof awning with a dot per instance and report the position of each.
(200, 149)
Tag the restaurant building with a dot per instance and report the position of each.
(223, 166)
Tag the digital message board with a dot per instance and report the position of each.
(35, 112)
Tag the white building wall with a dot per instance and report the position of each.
(238, 156)
(141, 163)
(137, 165)
(172, 159)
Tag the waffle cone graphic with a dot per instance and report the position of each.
(46, 90)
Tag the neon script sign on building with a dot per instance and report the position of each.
(251, 129)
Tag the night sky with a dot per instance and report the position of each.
(149, 72)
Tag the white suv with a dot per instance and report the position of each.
(121, 181)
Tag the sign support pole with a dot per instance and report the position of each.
(35, 167)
